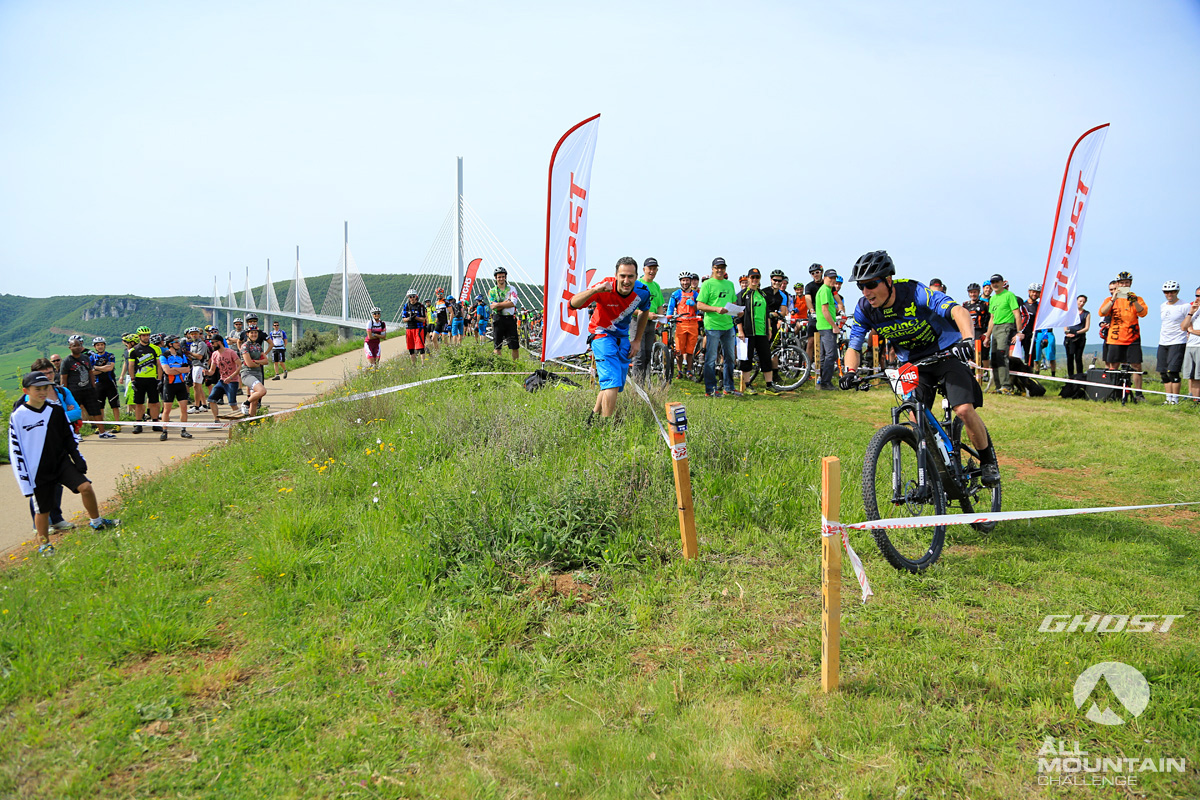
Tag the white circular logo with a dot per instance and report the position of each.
(1125, 683)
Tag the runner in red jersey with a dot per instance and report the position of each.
(617, 301)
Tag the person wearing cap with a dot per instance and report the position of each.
(80, 380)
(649, 273)
(1002, 329)
(937, 285)
(719, 336)
(827, 329)
(144, 366)
(753, 328)
(456, 320)
(175, 367)
(63, 398)
(376, 333)
(1028, 336)
(980, 317)
(104, 364)
(45, 456)
(617, 301)
(413, 312)
(810, 300)
(279, 342)
(1125, 330)
(254, 351)
(503, 302)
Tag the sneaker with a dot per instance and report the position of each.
(157, 428)
(183, 434)
(990, 474)
(46, 550)
(1008, 391)
(162, 437)
(104, 522)
(732, 393)
(826, 387)
(137, 428)
(107, 435)
(62, 525)
(748, 392)
(285, 373)
(246, 409)
(773, 389)
(712, 394)
(275, 377)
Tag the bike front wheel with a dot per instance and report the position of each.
(975, 492)
(794, 367)
(893, 489)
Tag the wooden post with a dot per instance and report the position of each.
(677, 424)
(831, 573)
(979, 361)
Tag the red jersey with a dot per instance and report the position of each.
(613, 312)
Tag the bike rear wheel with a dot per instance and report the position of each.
(662, 365)
(987, 498)
(892, 489)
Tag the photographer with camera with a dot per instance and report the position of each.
(1125, 332)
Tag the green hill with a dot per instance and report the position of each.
(349, 608)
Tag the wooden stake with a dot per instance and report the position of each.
(979, 361)
(677, 425)
(831, 574)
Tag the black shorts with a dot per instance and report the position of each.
(760, 345)
(1125, 353)
(144, 388)
(88, 400)
(505, 330)
(175, 391)
(961, 386)
(107, 393)
(279, 355)
(46, 493)
(1170, 357)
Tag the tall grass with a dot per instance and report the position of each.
(463, 590)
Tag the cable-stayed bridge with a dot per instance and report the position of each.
(462, 238)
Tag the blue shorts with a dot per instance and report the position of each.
(456, 327)
(220, 388)
(1043, 343)
(612, 361)
(482, 328)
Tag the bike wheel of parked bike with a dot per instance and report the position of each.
(662, 365)
(892, 490)
(986, 498)
(794, 367)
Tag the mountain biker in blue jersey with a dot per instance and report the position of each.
(919, 322)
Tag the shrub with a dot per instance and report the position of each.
(311, 340)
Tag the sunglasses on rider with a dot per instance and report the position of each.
(868, 284)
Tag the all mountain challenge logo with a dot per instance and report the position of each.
(1067, 764)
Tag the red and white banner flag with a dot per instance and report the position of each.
(1060, 286)
(564, 328)
(464, 294)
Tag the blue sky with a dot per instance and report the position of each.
(146, 147)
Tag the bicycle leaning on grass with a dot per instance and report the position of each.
(917, 467)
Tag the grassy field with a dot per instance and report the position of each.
(462, 590)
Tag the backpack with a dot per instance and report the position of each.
(1073, 391)
(1022, 384)
(542, 378)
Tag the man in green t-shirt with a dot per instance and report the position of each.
(1003, 307)
(715, 294)
(827, 329)
(649, 272)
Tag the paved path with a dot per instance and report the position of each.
(109, 459)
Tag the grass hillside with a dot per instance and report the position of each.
(462, 590)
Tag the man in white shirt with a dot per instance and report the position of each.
(1191, 354)
(1172, 340)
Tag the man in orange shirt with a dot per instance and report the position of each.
(682, 307)
(1125, 332)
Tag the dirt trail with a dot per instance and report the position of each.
(109, 459)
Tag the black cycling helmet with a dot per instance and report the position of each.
(875, 264)
(973, 287)
(777, 273)
(815, 268)
(499, 271)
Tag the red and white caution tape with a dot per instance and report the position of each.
(833, 528)
(1129, 389)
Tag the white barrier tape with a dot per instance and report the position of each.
(642, 394)
(108, 423)
(834, 528)
(997, 516)
(1129, 389)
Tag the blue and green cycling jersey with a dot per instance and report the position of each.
(918, 324)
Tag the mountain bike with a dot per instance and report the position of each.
(918, 467)
(789, 360)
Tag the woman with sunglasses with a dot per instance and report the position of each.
(919, 322)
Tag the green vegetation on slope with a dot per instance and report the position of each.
(461, 590)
